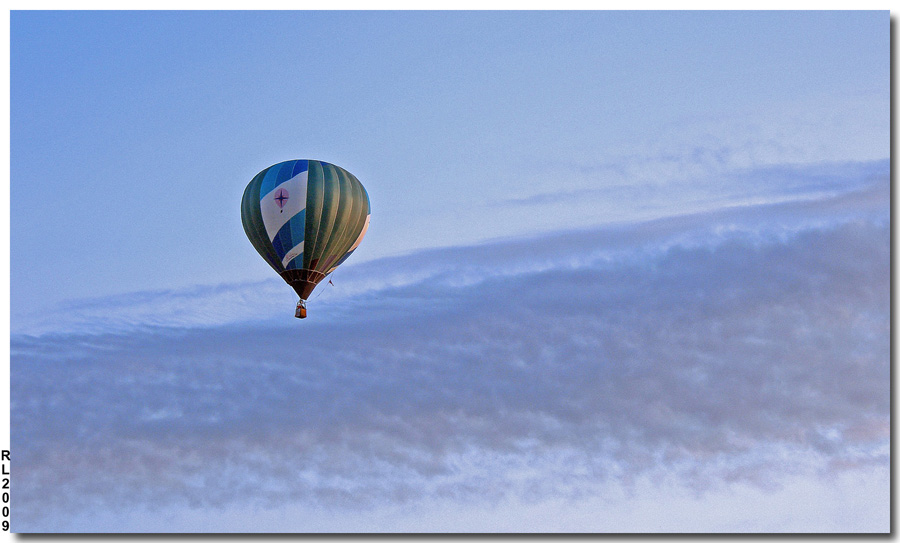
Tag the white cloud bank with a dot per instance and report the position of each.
(722, 371)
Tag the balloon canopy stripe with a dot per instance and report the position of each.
(290, 235)
(293, 256)
(283, 203)
(280, 173)
(330, 202)
(352, 247)
(335, 246)
(251, 217)
(315, 195)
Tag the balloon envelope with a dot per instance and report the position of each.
(305, 217)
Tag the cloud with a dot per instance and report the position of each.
(633, 183)
(695, 160)
(741, 348)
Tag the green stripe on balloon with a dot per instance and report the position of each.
(251, 219)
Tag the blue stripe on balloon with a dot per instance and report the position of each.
(295, 263)
(300, 166)
(290, 235)
(276, 175)
(279, 248)
(298, 227)
(285, 172)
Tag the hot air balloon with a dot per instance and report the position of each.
(305, 217)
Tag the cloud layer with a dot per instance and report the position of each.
(740, 348)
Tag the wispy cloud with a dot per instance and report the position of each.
(736, 348)
(633, 183)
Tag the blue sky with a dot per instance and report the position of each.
(618, 262)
